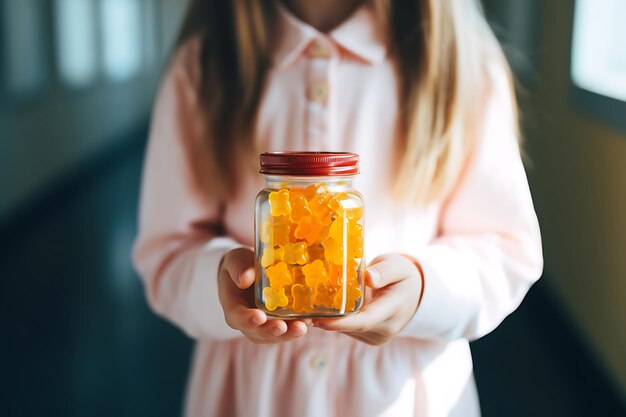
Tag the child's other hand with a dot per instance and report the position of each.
(396, 285)
(235, 280)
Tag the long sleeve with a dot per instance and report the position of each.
(179, 247)
(488, 251)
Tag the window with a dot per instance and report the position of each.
(150, 35)
(121, 38)
(21, 24)
(76, 41)
(599, 47)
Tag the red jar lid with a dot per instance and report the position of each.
(309, 164)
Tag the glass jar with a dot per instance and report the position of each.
(309, 235)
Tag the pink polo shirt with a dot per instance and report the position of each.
(479, 246)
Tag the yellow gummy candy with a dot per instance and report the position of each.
(279, 275)
(274, 298)
(352, 294)
(315, 273)
(271, 255)
(279, 203)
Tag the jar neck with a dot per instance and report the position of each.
(334, 183)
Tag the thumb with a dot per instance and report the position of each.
(239, 264)
(388, 270)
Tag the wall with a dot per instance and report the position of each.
(578, 178)
(46, 135)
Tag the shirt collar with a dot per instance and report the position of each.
(360, 35)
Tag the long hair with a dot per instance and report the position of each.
(439, 48)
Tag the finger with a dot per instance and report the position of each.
(240, 317)
(389, 270)
(381, 309)
(270, 332)
(297, 329)
(272, 329)
(239, 264)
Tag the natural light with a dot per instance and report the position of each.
(76, 41)
(121, 36)
(599, 47)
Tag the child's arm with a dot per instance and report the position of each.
(488, 253)
(177, 250)
(193, 276)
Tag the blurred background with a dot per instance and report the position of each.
(77, 79)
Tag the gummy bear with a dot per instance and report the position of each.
(279, 203)
(337, 226)
(319, 207)
(310, 191)
(352, 294)
(279, 275)
(333, 251)
(296, 253)
(274, 298)
(299, 206)
(352, 213)
(335, 202)
(335, 273)
(302, 298)
(297, 274)
(265, 231)
(316, 252)
(355, 246)
(315, 273)
(271, 255)
(281, 229)
(336, 229)
(309, 229)
(324, 294)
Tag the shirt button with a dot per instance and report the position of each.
(319, 362)
(318, 49)
(318, 92)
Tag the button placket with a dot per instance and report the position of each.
(319, 55)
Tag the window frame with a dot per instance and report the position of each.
(602, 108)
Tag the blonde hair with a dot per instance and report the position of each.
(440, 48)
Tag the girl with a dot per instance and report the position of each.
(418, 88)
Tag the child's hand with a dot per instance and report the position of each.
(235, 279)
(396, 285)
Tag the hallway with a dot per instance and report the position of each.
(82, 341)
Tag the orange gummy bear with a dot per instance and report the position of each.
(333, 251)
(296, 273)
(355, 246)
(337, 226)
(302, 298)
(352, 213)
(281, 230)
(316, 252)
(335, 273)
(352, 294)
(274, 298)
(299, 206)
(279, 275)
(279, 203)
(296, 253)
(319, 207)
(324, 294)
(309, 229)
(310, 191)
(315, 273)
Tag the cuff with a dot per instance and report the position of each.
(205, 310)
(451, 295)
